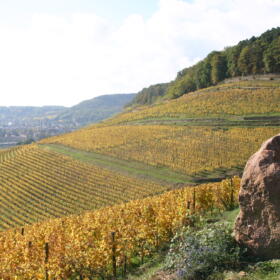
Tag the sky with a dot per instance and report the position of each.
(61, 52)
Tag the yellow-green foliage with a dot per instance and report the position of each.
(7, 154)
(250, 83)
(187, 149)
(36, 184)
(235, 99)
(82, 245)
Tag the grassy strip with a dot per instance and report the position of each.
(133, 168)
(149, 269)
(141, 170)
(272, 120)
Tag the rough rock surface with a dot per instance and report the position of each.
(258, 223)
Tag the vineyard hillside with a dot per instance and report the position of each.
(83, 246)
(138, 171)
(205, 135)
(37, 184)
(252, 102)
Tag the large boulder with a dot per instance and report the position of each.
(258, 223)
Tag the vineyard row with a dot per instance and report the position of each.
(36, 184)
(101, 242)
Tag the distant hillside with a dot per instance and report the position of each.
(95, 109)
(258, 55)
(15, 114)
(26, 124)
(149, 95)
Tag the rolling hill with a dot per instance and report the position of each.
(26, 124)
(95, 109)
(203, 136)
(89, 111)
(197, 133)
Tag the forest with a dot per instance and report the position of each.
(258, 55)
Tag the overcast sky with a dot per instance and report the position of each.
(60, 52)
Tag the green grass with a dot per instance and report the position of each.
(256, 120)
(149, 269)
(230, 216)
(268, 270)
(131, 168)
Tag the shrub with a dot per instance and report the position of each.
(197, 254)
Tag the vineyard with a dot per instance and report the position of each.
(36, 184)
(185, 149)
(121, 215)
(225, 100)
(104, 242)
(8, 154)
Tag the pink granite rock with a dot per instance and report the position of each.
(258, 223)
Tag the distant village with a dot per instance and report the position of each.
(26, 131)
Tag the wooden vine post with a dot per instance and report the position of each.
(114, 261)
(124, 266)
(29, 252)
(231, 194)
(194, 198)
(46, 260)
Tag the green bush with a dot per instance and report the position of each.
(195, 254)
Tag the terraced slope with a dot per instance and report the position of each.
(207, 134)
(7, 154)
(184, 149)
(231, 101)
(37, 184)
(110, 163)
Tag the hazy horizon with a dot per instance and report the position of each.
(58, 105)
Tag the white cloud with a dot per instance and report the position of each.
(64, 59)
